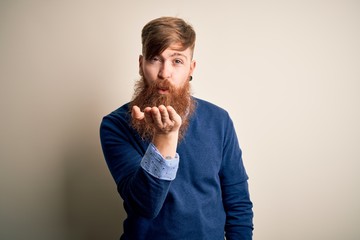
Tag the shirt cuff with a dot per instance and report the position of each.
(154, 164)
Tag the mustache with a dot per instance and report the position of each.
(162, 84)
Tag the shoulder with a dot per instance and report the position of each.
(117, 119)
(122, 113)
(204, 107)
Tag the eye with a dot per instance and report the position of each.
(155, 59)
(178, 61)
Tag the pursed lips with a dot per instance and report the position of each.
(163, 90)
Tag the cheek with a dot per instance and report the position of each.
(150, 73)
(178, 83)
(181, 77)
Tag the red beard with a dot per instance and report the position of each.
(148, 96)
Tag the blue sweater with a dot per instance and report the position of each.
(208, 199)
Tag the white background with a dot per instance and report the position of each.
(288, 72)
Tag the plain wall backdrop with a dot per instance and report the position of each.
(288, 72)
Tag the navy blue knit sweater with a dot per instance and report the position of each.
(209, 197)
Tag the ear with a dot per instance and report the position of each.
(140, 65)
(192, 67)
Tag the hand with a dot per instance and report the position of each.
(163, 119)
(166, 123)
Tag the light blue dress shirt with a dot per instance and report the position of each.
(156, 165)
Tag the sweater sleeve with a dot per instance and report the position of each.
(236, 198)
(143, 193)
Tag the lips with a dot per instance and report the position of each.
(163, 90)
(164, 87)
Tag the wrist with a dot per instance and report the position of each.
(166, 143)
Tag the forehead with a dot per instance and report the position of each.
(176, 50)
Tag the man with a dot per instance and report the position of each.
(175, 158)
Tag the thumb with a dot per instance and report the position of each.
(137, 113)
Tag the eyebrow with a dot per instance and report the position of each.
(178, 54)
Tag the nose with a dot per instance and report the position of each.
(165, 71)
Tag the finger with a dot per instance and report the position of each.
(164, 114)
(148, 115)
(173, 115)
(136, 113)
(156, 116)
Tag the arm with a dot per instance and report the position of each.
(131, 164)
(236, 198)
(239, 212)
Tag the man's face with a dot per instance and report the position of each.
(172, 65)
(165, 81)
